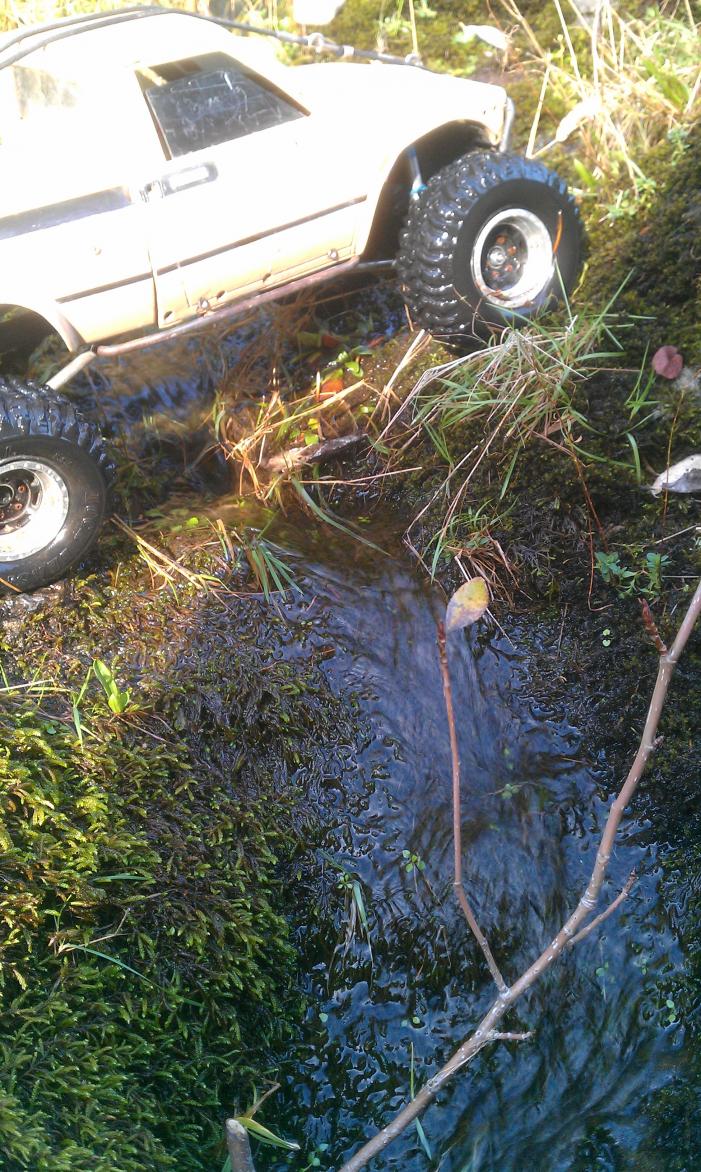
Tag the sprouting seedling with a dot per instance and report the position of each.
(412, 862)
(116, 698)
(356, 912)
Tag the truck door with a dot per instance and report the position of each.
(229, 155)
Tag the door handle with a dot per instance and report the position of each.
(152, 190)
(190, 177)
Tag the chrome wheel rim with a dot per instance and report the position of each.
(513, 260)
(33, 507)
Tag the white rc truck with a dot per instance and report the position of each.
(160, 172)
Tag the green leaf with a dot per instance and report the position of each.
(422, 1136)
(265, 1135)
(584, 175)
(117, 700)
(77, 722)
(120, 875)
(360, 904)
(636, 456)
(671, 86)
(106, 956)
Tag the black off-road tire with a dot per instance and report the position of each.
(55, 477)
(453, 233)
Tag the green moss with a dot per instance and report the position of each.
(656, 254)
(147, 971)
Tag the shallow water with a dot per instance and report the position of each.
(532, 812)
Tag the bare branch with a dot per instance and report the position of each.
(457, 820)
(623, 894)
(485, 1031)
(511, 1037)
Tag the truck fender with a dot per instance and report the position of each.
(474, 131)
(24, 301)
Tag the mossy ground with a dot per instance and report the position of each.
(146, 961)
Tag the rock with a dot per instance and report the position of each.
(315, 11)
(682, 477)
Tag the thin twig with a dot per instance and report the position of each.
(457, 829)
(615, 903)
(496, 1036)
(485, 1031)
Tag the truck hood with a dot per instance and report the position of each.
(399, 98)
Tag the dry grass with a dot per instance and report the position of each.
(481, 411)
(634, 82)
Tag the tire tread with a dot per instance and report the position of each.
(428, 240)
(28, 408)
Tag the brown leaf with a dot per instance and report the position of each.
(467, 605)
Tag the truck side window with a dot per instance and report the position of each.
(206, 101)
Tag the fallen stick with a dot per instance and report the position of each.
(238, 1147)
(294, 458)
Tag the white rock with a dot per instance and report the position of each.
(487, 33)
(315, 11)
(682, 477)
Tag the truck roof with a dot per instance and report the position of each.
(126, 36)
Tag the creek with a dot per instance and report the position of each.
(404, 993)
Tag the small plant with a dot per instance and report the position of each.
(268, 568)
(117, 699)
(355, 910)
(509, 791)
(654, 567)
(647, 580)
(412, 861)
(602, 972)
(314, 1160)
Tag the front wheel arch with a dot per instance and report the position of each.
(379, 235)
